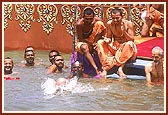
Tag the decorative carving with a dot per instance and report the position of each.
(108, 12)
(24, 13)
(48, 15)
(68, 16)
(7, 14)
(98, 10)
(136, 19)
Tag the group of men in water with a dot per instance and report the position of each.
(113, 43)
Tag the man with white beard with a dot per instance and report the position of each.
(155, 70)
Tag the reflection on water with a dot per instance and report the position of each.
(112, 95)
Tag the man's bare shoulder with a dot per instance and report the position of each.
(148, 67)
(128, 23)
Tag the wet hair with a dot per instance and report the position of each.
(74, 64)
(9, 58)
(80, 63)
(158, 48)
(116, 10)
(88, 11)
(29, 47)
(59, 55)
(54, 51)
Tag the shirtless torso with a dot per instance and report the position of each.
(120, 32)
(85, 30)
(154, 14)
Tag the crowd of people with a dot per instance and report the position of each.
(113, 43)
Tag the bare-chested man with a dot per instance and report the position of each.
(8, 69)
(89, 30)
(52, 55)
(118, 47)
(154, 14)
(58, 65)
(77, 70)
(154, 71)
(29, 57)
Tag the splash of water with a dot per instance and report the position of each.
(48, 86)
(72, 86)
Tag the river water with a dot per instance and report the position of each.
(91, 95)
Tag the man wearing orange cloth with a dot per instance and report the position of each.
(154, 15)
(118, 47)
(89, 30)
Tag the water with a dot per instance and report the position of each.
(93, 95)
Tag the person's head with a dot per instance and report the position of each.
(52, 55)
(29, 57)
(61, 81)
(116, 15)
(77, 68)
(88, 15)
(157, 54)
(29, 48)
(8, 65)
(59, 62)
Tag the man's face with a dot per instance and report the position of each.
(8, 66)
(116, 18)
(59, 62)
(30, 57)
(77, 68)
(156, 56)
(52, 56)
(88, 19)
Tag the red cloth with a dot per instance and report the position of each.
(11, 78)
(145, 48)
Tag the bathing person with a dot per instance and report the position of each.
(77, 70)
(118, 46)
(8, 69)
(29, 57)
(51, 86)
(58, 65)
(8, 65)
(155, 70)
(89, 30)
(154, 14)
(52, 55)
